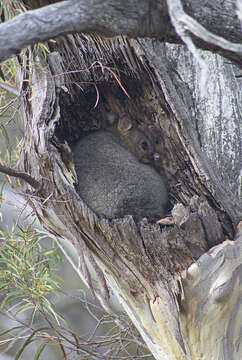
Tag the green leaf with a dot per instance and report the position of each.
(15, 305)
(27, 342)
(35, 309)
(11, 294)
(4, 332)
(51, 310)
(4, 286)
(9, 264)
(24, 307)
(40, 349)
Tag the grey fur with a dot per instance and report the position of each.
(113, 183)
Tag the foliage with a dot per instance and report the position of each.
(27, 282)
(27, 278)
(26, 272)
(8, 73)
(10, 105)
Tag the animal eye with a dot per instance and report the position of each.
(158, 140)
(144, 145)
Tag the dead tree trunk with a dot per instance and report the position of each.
(179, 280)
(145, 264)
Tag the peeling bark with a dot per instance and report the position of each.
(150, 267)
(179, 283)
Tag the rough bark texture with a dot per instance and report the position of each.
(217, 120)
(173, 281)
(132, 18)
(141, 262)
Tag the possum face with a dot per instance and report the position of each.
(144, 149)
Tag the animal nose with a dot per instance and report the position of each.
(156, 156)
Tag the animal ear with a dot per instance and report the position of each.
(111, 118)
(124, 124)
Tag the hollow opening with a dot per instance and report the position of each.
(99, 107)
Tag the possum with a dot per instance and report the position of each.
(114, 183)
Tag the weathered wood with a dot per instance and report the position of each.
(217, 122)
(145, 264)
(210, 313)
(179, 283)
(144, 19)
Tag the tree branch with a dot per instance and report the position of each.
(9, 88)
(239, 10)
(103, 17)
(137, 18)
(21, 175)
(183, 22)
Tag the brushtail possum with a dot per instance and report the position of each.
(112, 181)
(131, 138)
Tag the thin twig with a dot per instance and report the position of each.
(21, 175)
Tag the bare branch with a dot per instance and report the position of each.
(21, 175)
(9, 88)
(180, 20)
(239, 10)
(137, 18)
(183, 22)
(71, 16)
(185, 25)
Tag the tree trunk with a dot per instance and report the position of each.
(179, 280)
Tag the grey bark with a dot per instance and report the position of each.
(159, 272)
(141, 262)
(134, 19)
(216, 116)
